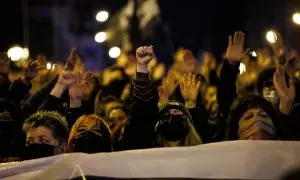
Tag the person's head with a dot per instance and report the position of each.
(253, 118)
(208, 60)
(90, 134)
(46, 130)
(175, 127)
(104, 104)
(12, 138)
(189, 63)
(265, 86)
(210, 101)
(115, 115)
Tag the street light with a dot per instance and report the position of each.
(102, 16)
(114, 52)
(296, 18)
(100, 37)
(271, 37)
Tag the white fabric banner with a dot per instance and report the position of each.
(224, 160)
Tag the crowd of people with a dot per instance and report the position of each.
(139, 103)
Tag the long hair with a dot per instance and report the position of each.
(104, 128)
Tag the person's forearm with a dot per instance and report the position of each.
(58, 90)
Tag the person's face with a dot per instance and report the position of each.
(41, 135)
(210, 98)
(270, 94)
(116, 116)
(175, 112)
(255, 124)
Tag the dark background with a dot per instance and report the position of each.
(195, 24)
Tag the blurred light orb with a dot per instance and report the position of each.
(15, 53)
(25, 53)
(296, 18)
(114, 52)
(271, 36)
(253, 53)
(102, 16)
(242, 68)
(49, 66)
(100, 37)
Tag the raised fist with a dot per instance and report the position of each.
(144, 54)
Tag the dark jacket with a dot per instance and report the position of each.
(139, 130)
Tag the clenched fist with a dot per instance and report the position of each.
(144, 55)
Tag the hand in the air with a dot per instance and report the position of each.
(189, 87)
(235, 50)
(71, 60)
(32, 69)
(144, 55)
(286, 92)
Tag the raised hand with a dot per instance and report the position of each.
(286, 93)
(189, 87)
(66, 78)
(71, 60)
(144, 55)
(32, 69)
(76, 89)
(235, 50)
(278, 46)
(4, 63)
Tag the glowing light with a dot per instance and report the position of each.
(49, 66)
(25, 53)
(271, 36)
(15, 53)
(253, 53)
(114, 52)
(296, 18)
(100, 37)
(242, 68)
(102, 16)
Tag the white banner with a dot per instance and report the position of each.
(224, 160)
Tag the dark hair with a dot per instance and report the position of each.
(241, 105)
(264, 77)
(50, 119)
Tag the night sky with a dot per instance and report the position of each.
(194, 24)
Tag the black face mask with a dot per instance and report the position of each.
(90, 142)
(174, 128)
(34, 151)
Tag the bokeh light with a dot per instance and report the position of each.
(15, 53)
(271, 36)
(49, 66)
(100, 37)
(296, 18)
(253, 53)
(242, 68)
(114, 52)
(102, 16)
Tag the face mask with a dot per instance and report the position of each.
(251, 126)
(174, 128)
(90, 142)
(34, 151)
(271, 96)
